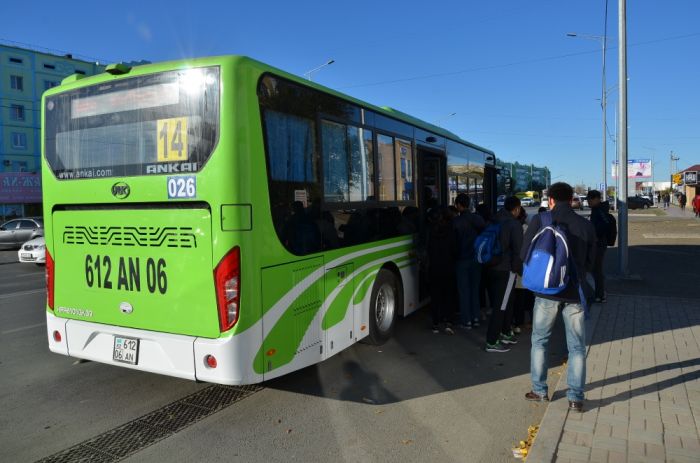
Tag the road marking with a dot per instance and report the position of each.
(25, 275)
(672, 236)
(662, 251)
(17, 330)
(22, 293)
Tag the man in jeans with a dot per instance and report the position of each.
(582, 242)
(467, 226)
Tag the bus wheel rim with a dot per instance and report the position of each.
(385, 304)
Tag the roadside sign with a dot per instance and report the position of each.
(690, 177)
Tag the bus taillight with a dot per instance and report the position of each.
(227, 278)
(49, 279)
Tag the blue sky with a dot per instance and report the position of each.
(519, 86)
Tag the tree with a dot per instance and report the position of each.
(580, 189)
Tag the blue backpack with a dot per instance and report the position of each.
(488, 244)
(547, 267)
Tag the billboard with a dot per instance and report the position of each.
(636, 168)
(20, 187)
(690, 177)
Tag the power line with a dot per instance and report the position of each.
(514, 63)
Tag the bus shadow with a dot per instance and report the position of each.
(415, 363)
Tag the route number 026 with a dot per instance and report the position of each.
(182, 187)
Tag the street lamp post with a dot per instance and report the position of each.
(623, 251)
(439, 121)
(309, 74)
(603, 103)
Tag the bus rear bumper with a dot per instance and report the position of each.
(162, 353)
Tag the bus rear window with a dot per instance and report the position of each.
(155, 124)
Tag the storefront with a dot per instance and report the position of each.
(20, 195)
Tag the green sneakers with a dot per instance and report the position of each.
(497, 347)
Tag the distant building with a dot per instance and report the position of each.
(24, 76)
(514, 177)
(688, 181)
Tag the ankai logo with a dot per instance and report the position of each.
(120, 190)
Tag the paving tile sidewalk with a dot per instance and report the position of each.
(675, 211)
(642, 388)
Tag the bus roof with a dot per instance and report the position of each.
(245, 60)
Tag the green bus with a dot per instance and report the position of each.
(221, 220)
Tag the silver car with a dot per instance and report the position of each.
(18, 231)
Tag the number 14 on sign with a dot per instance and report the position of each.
(172, 139)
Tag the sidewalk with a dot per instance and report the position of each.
(642, 387)
(675, 211)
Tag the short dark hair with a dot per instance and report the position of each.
(561, 192)
(511, 203)
(593, 194)
(463, 200)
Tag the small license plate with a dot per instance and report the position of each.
(126, 350)
(27, 255)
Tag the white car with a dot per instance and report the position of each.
(527, 201)
(33, 251)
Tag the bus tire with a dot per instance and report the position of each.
(385, 306)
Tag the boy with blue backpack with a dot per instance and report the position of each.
(503, 264)
(559, 250)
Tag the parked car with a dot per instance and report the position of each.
(15, 232)
(638, 202)
(527, 202)
(584, 202)
(576, 202)
(33, 251)
(500, 201)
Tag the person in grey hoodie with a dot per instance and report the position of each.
(501, 274)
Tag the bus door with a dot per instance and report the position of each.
(432, 180)
(432, 184)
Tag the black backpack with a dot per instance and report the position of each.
(611, 232)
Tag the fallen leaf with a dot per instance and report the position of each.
(289, 431)
(406, 441)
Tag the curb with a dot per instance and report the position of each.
(544, 447)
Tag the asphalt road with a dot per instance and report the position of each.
(419, 397)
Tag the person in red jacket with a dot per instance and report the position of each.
(696, 205)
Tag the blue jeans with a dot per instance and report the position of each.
(468, 279)
(545, 313)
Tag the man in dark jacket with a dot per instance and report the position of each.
(441, 250)
(468, 271)
(582, 242)
(501, 275)
(601, 224)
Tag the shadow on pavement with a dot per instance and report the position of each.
(415, 363)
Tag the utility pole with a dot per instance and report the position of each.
(674, 168)
(623, 251)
